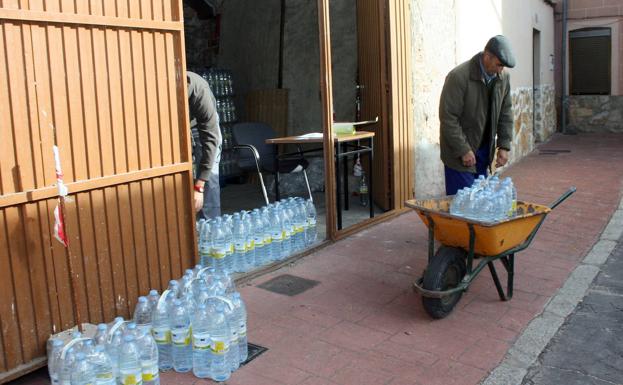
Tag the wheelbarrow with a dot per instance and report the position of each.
(452, 268)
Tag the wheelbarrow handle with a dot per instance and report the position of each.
(564, 196)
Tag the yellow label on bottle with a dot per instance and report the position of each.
(130, 379)
(218, 253)
(201, 343)
(249, 245)
(161, 335)
(181, 337)
(104, 376)
(218, 347)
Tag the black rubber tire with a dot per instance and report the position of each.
(444, 272)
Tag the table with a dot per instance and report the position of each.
(345, 145)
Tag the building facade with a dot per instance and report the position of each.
(593, 77)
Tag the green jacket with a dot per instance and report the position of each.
(463, 114)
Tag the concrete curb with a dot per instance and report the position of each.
(529, 345)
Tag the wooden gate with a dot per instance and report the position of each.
(105, 80)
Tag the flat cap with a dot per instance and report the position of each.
(501, 47)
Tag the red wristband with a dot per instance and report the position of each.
(198, 188)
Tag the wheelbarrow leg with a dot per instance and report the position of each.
(509, 264)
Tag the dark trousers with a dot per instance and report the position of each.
(456, 180)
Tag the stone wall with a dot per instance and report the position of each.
(595, 114)
(545, 112)
(523, 133)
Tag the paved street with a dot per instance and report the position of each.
(588, 348)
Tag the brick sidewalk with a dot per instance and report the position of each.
(364, 325)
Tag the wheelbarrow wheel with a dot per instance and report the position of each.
(445, 271)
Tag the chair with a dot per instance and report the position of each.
(260, 156)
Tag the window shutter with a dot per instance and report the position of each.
(589, 59)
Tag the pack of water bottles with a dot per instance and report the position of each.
(249, 239)
(198, 324)
(119, 353)
(489, 199)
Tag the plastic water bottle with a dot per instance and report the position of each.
(82, 373)
(312, 233)
(129, 362)
(240, 319)
(142, 314)
(268, 237)
(232, 358)
(174, 287)
(102, 366)
(101, 334)
(188, 301)
(204, 244)
(65, 365)
(153, 298)
(113, 348)
(513, 194)
(218, 250)
(229, 243)
(148, 355)
(184, 283)
(161, 331)
(131, 329)
(249, 242)
(300, 212)
(88, 347)
(54, 361)
(201, 342)
(286, 218)
(240, 250)
(49, 345)
(180, 338)
(223, 282)
(277, 233)
(76, 335)
(258, 238)
(220, 337)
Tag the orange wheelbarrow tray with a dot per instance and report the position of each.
(451, 269)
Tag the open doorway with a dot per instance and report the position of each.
(271, 64)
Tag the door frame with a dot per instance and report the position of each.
(399, 116)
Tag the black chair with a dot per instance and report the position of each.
(254, 154)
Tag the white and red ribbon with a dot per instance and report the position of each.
(59, 220)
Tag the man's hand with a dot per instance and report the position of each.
(198, 195)
(469, 159)
(502, 158)
(198, 201)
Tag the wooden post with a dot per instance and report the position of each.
(326, 92)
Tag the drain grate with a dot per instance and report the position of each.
(254, 352)
(553, 152)
(289, 285)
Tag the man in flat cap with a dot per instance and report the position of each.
(475, 113)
